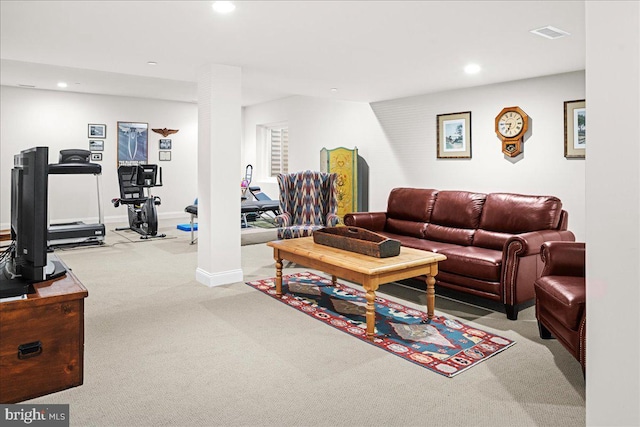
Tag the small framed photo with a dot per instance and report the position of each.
(96, 157)
(575, 129)
(165, 155)
(454, 135)
(165, 144)
(96, 145)
(97, 131)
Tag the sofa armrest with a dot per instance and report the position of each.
(372, 221)
(521, 263)
(525, 244)
(563, 258)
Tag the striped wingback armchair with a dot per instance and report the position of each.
(308, 202)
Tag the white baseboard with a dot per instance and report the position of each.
(220, 278)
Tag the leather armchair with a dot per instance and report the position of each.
(561, 296)
(308, 201)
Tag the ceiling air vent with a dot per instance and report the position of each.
(550, 32)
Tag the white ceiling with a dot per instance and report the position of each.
(368, 50)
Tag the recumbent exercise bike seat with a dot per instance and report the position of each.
(133, 181)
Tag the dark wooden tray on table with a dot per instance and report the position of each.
(359, 240)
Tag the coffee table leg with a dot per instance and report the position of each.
(279, 277)
(371, 313)
(334, 280)
(431, 297)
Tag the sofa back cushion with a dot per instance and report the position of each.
(506, 214)
(455, 217)
(408, 210)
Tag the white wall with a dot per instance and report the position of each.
(59, 120)
(314, 124)
(397, 138)
(410, 126)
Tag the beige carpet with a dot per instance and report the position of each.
(164, 350)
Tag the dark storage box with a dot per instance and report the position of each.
(42, 340)
(359, 240)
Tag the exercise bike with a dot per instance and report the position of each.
(135, 182)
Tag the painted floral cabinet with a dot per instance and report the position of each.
(353, 178)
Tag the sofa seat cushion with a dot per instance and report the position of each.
(405, 228)
(562, 297)
(440, 233)
(482, 288)
(422, 244)
(491, 239)
(470, 261)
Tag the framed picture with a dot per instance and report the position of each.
(165, 155)
(97, 131)
(454, 135)
(96, 145)
(96, 157)
(165, 144)
(575, 129)
(132, 143)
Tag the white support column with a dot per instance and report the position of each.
(219, 140)
(613, 213)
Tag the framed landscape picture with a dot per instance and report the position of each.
(96, 145)
(97, 131)
(454, 135)
(575, 129)
(132, 143)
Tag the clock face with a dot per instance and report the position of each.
(510, 124)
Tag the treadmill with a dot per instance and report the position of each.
(76, 162)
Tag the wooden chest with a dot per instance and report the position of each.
(42, 340)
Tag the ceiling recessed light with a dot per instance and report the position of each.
(152, 63)
(550, 32)
(334, 89)
(223, 6)
(62, 84)
(472, 69)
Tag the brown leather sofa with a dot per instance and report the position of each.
(491, 241)
(561, 296)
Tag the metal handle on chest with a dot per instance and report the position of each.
(32, 349)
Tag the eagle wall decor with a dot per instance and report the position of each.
(165, 132)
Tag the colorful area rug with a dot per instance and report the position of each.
(445, 346)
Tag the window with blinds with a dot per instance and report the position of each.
(279, 142)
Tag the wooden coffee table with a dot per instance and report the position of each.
(368, 271)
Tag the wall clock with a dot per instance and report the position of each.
(511, 125)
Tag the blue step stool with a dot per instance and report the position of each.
(187, 227)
